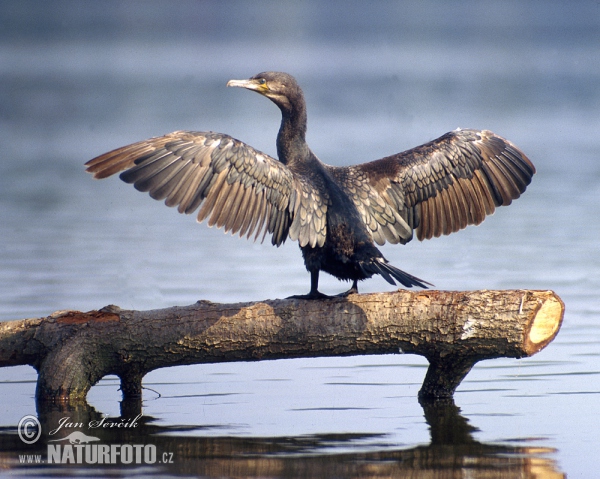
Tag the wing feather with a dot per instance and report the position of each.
(250, 215)
(228, 215)
(261, 216)
(437, 188)
(172, 177)
(240, 213)
(255, 217)
(231, 184)
(213, 190)
(183, 195)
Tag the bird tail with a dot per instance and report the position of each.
(391, 273)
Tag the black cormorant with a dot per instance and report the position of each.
(335, 213)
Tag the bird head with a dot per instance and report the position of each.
(281, 88)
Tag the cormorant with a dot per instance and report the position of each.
(335, 213)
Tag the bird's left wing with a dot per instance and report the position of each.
(437, 188)
(236, 187)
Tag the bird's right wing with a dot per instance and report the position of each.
(235, 186)
(437, 188)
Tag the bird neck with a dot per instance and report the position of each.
(291, 139)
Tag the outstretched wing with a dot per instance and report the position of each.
(439, 187)
(235, 186)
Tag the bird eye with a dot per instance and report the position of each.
(262, 81)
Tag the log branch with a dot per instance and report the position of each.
(72, 350)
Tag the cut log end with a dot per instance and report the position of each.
(454, 330)
(545, 323)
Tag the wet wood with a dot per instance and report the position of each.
(72, 350)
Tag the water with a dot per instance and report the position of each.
(76, 81)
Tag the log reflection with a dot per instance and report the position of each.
(452, 453)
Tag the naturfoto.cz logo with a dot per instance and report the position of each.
(103, 454)
(80, 448)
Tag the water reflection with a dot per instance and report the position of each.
(76, 82)
(453, 452)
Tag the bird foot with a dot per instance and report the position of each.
(312, 295)
(345, 294)
(319, 295)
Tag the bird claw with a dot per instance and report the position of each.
(345, 294)
(310, 296)
(319, 295)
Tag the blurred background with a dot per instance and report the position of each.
(78, 79)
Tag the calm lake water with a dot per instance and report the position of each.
(78, 79)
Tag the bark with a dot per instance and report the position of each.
(72, 350)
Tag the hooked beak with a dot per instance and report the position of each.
(239, 83)
(250, 84)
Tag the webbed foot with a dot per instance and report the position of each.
(311, 295)
(352, 290)
(347, 293)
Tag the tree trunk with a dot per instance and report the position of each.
(72, 350)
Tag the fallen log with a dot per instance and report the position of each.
(73, 350)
